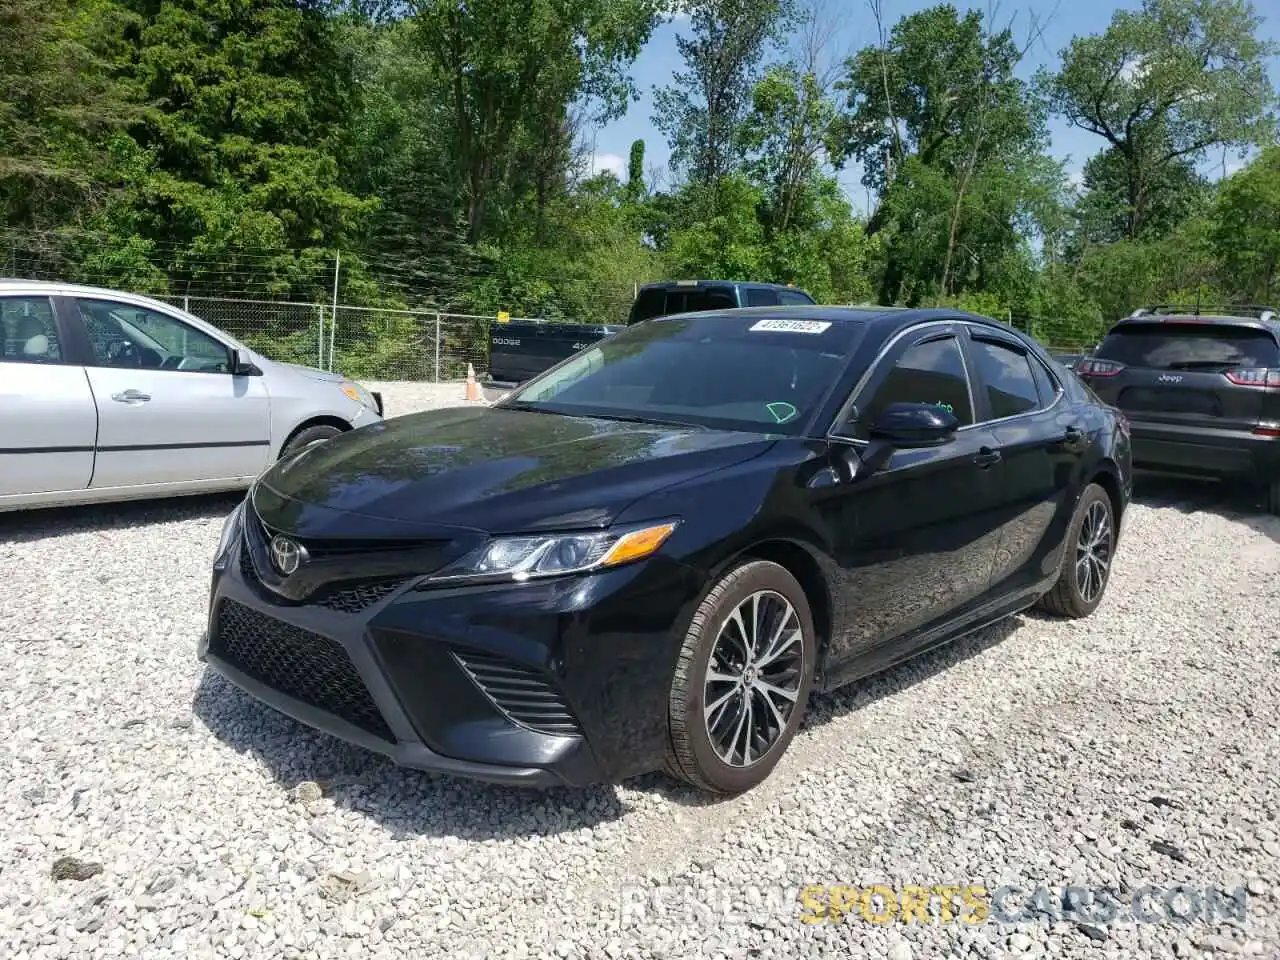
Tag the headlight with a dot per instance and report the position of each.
(359, 394)
(230, 530)
(516, 559)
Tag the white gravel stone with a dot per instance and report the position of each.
(118, 748)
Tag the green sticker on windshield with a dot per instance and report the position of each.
(781, 411)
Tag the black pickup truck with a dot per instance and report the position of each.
(520, 350)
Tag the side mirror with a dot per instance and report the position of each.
(906, 426)
(242, 364)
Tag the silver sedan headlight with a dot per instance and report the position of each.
(358, 393)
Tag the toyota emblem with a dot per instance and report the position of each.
(286, 556)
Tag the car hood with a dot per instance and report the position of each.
(312, 373)
(490, 469)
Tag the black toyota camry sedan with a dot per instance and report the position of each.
(652, 555)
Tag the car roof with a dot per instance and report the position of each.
(890, 319)
(11, 285)
(1201, 319)
(689, 284)
(880, 323)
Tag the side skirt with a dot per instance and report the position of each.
(899, 650)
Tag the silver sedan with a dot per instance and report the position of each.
(112, 396)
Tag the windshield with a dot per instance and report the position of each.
(1190, 346)
(724, 372)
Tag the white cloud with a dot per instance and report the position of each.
(611, 162)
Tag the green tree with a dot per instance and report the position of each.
(508, 74)
(1246, 229)
(60, 100)
(1163, 84)
(1175, 192)
(704, 111)
(951, 142)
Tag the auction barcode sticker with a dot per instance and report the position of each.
(779, 325)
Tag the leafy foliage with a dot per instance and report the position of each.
(240, 146)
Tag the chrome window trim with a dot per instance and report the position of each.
(970, 326)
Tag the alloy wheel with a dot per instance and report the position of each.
(753, 678)
(1093, 551)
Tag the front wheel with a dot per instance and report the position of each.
(742, 679)
(1086, 559)
(305, 438)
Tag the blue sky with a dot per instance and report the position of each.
(1060, 20)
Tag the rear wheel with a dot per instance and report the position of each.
(742, 679)
(1086, 559)
(1273, 498)
(307, 436)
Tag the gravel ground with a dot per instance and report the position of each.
(1137, 747)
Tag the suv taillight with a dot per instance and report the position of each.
(1089, 367)
(1254, 377)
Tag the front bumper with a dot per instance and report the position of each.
(537, 684)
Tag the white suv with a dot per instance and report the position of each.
(112, 396)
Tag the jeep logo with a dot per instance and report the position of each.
(1169, 378)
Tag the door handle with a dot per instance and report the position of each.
(131, 396)
(986, 457)
(1073, 438)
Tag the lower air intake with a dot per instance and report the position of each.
(298, 663)
(520, 692)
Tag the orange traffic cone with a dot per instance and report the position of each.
(473, 388)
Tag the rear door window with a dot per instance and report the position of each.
(28, 333)
(1007, 378)
(1190, 346)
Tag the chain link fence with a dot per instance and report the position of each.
(371, 343)
(381, 335)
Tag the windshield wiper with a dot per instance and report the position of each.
(623, 418)
(528, 406)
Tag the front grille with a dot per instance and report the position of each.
(519, 692)
(354, 599)
(297, 663)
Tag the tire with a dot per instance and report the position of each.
(695, 758)
(308, 436)
(1273, 498)
(1069, 597)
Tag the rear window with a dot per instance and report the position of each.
(1189, 346)
(705, 298)
(757, 297)
(789, 297)
(650, 303)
